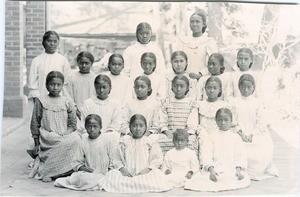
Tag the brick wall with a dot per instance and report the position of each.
(13, 103)
(35, 29)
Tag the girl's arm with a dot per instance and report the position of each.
(33, 81)
(194, 163)
(155, 120)
(36, 121)
(163, 116)
(125, 123)
(206, 154)
(117, 117)
(240, 157)
(166, 166)
(155, 156)
(79, 163)
(72, 121)
(192, 121)
(162, 88)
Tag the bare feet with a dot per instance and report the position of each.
(47, 179)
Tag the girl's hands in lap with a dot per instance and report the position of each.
(125, 172)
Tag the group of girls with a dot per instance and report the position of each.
(144, 127)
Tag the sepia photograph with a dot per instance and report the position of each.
(150, 98)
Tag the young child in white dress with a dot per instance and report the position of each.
(250, 114)
(215, 66)
(180, 163)
(207, 110)
(179, 63)
(109, 109)
(132, 54)
(93, 158)
(148, 64)
(175, 113)
(119, 80)
(142, 104)
(245, 60)
(224, 159)
(81, 84)
(137, 162)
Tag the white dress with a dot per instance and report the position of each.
(136, 155)
(121, 87)
(132, 58)
(180, 162)
(109, 110)
(149, 108)
(250, 116)
(95, 154)
(198, 49)
(224, 151)
(39, 69)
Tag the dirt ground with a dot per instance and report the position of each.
(15, 160)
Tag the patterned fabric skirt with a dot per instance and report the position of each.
(201, 182)
(154, 181)
(55, 155)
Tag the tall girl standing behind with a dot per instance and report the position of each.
(81, 84)
(136, 163)
(175, 113)
(224, 159)
(46, 62)
(179, 63)
(148, 64)
(142, 104)
(245, 60)
(133, 53)
(249, 113)
(207, 109)
(119, 80)
(107, 108)
(53, 126)
(215, 66)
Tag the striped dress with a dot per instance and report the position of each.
(136, 155)
(175, 114)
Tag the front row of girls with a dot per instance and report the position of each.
(56, 140)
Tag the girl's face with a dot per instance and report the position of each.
(180, 142)
(196, 23)
(116, 65)
(212, 90)
(51, 44)
(144, 35)
(54, 87)
(141, 89)
(84, 65)
(93, 129)
(179, 87)
(148, 65)
(138, 128)
(246, 88)
(244, 60)
(223, 121)
(214, 66)
(179, 64)
(102, 89)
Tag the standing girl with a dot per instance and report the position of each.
(207, 109)
(143, 104)
(133, 53)
(249, 113)
(44, 63)
(53, 126)
(175, 113)
(179, 63)
(119, 80)
(93, 157)
(107, 108)
(81, 84)
(216, 68)
(198, 46)
(224, 159)
(136, 163)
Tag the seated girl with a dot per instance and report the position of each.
(136, 163)
(224, 159)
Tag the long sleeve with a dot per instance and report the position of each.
(166, 163)
(206, 156)
(261, 119)
(126, 117)
(155, 156)
(79, 158)
(163, 116)
(33, 82)
(155, 121)
(36, 119)
(118, 159)
(162, 89)
(192, 121)
(194, 163)
(117, 119)
(161, 62)
(72, 120)
(240, 154)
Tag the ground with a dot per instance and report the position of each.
(15, 161)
